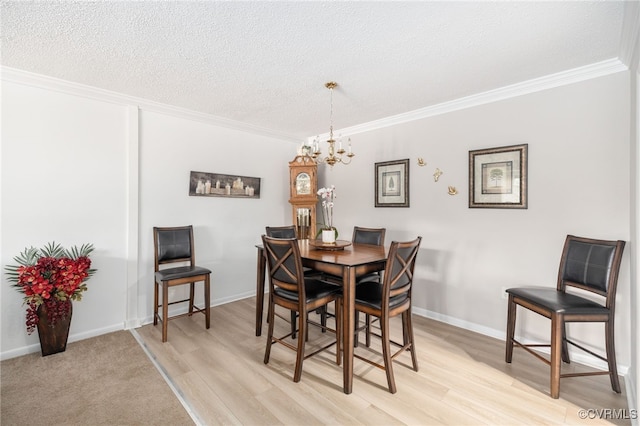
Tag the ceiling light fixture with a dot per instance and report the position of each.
(335, 156)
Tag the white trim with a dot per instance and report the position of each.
(563, 78)
(133, 217)
(27, 78)
(575, 75)
(25, 350)
(182, 309)
(632, 399)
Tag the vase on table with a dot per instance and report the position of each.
(54, 334)
(329, 236)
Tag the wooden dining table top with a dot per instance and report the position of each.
(351, 255)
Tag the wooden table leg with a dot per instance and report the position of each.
(262, 264)
(348, 326)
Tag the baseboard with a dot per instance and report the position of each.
(25, 350)
(182, 309)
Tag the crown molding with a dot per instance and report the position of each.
(27, 78)
(563, 78)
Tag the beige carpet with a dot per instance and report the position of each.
(105, 380)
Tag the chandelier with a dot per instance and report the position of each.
(335, 155)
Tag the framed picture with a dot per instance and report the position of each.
(498, 177)
(203, 184)
(392, 184)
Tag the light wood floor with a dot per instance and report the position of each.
(462, 379)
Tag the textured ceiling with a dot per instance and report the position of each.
(265, 63)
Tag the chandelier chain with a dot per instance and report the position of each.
(332, 158)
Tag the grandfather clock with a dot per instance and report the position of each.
(303, 184)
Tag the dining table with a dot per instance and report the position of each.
(345, 260)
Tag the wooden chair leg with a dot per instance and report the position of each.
(557, 325)
(367, 336)
(269, 307)
(293, 324)
(386, 353)
(565, 346)
(611, 356)
(207, 301)
(405, 336)
(191, 296)
(270, 317)
(165, 310)
(357, 326)
(511, 328)
(323, 318)
(338, 331)
(409, 336)
(307, 329)
(302, 332)
(155, 303)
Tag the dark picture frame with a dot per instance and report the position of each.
(498, 177)
(392, 183)
(203, 184)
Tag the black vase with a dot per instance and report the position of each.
(53, 337)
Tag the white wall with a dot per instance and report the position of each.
(226, 229)
(579, 183)
(69, 174)
(64, 180)
(59, 146)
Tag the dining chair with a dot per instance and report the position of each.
(372, 236)
(390, 298)
(175, 245)
(289, 288)
(281, 231)
(361, 235)
(289, 231)
(588, 267)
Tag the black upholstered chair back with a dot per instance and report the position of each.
(372, 236)
(281, 231)
(173, 244)
(591, 265)
(284, 266)
(398, 275)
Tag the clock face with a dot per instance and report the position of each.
(303, 184)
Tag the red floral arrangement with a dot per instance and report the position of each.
(52, 276)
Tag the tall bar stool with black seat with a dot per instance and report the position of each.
(289, 288)
(375, 237)
(371, 236)
(391, 298)
(361, 235)
(174, 245)
(289, 231)
(588, 266)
